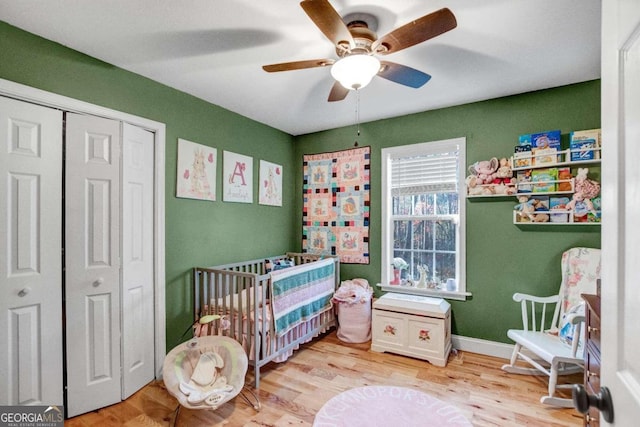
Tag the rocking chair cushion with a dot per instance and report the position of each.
(580, 270)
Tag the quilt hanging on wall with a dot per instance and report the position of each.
(335, 218)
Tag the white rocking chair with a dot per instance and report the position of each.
(547, 347)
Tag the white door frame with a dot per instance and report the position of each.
(48, 99)
(620, 185)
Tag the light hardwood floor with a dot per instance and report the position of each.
(292, 392)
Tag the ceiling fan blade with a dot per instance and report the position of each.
(298, 65)
(415, 32)
(338, 92)
(328, 21)
(402, 74)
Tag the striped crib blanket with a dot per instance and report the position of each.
(300, 293)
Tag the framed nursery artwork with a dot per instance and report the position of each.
(270, 184)
(237, 183)
(335, 217)
(196, 178)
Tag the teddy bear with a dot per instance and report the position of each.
(472, 187)
(525, 209)
(484, 170)
(504, 173)
(541, 217)
(540, 211)
(502, 188)
(580, 206)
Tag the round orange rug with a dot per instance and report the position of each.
(388, 406)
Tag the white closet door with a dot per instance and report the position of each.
(92, 262)
(30, 254)
(137, 259)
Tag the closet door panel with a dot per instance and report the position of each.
(137, 259)
(30, 254)
(92, 262)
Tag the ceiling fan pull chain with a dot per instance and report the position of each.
(357, 117)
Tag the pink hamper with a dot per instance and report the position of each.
(353, 305)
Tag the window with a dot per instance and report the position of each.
(423, 199)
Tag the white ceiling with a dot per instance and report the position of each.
(214, 49)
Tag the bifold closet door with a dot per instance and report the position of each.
(92, 263)
(30, 254)
(137, 259)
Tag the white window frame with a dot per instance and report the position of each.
(433, 147)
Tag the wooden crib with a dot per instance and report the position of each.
(252, 304)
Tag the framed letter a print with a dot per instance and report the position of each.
(237, 178)
(196, 171)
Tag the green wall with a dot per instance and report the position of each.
(501, 257)
(198, 233)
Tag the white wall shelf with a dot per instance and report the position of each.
(563, 157)
(564, 154)
(559, 213)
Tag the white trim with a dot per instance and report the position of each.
(385, 184)
(399, 289)
(480, 346)
(41, 97)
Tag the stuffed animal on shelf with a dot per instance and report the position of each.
(525, 209)
(580, 206)
(472, 188)
(484, 170)
(541, 217)
(503, 189)
(588, 187)
(504, 173)
(540, 211)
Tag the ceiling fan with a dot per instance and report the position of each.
(357, 46)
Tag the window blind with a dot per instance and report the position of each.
(426, 173)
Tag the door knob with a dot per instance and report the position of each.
(602, 401)
(98, 282)
(24, 292)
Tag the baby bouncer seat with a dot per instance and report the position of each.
(206, 372)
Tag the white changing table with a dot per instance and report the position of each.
(412, 325)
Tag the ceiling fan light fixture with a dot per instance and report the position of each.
(355, 71)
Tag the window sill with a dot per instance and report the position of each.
(400, 289)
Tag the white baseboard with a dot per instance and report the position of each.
(480, 346)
